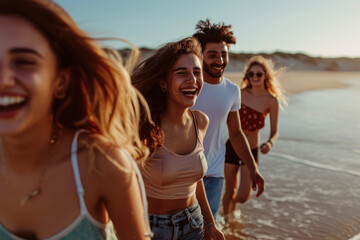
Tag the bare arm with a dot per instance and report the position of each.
(238, 140)
(122, 198)
(210, 225)
(274, 132)
(242, 149)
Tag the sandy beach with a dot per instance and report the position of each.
(300, 81)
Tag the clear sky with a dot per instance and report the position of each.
(325, 28)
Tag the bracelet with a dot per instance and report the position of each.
(209, 224)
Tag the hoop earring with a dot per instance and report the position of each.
(60, 93)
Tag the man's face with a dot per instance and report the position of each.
(216, 58)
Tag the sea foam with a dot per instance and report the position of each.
(313, 164)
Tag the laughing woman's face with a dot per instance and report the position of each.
(28, 76)
(256, 76)
(184, 81)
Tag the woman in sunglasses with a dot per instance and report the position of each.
(261, 95)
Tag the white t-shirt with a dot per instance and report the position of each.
(216, 101)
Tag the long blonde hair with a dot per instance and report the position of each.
(100, 96)
(271, 84)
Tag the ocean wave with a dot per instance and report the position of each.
(343, 144)
(312, 164)
(356, 237)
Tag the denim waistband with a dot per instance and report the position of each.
(170, 219)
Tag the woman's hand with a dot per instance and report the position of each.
(213, 233)
(265, 147)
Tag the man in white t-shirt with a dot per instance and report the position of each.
(220, 101)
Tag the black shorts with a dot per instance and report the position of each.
(232, 158)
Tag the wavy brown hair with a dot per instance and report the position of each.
(271, 83)
(207, 33)
(100, 97)
(147, 77)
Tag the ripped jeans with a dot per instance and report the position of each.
(186, 224)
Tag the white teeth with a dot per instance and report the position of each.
(189, 90)
(9, 100)
(217, 68)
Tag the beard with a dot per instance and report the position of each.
(208, 70)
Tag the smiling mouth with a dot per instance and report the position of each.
(189, 91)
(218, 67)
(255, 80)
(11, 103)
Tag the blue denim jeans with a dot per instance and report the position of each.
(213, 189)
(187, 224)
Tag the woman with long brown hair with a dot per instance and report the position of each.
(170, 81)
(68, 131)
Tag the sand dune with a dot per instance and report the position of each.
(293, 61)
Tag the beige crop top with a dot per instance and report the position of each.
(168, 175)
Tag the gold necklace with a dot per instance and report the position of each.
(36, 192)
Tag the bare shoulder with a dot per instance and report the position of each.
(244, 92)
(274, 102)
(202, 119)
(109, 179)
(102, 160)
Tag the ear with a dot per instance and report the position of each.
(62, 84)
(163, 85)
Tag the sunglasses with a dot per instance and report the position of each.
(258, 74)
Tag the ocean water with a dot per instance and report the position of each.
(312, 174)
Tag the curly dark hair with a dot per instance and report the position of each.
(207, 32)
(147, 77)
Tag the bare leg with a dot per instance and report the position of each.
(245, 190)
(231, 182)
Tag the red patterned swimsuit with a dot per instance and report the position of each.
(251, 120)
